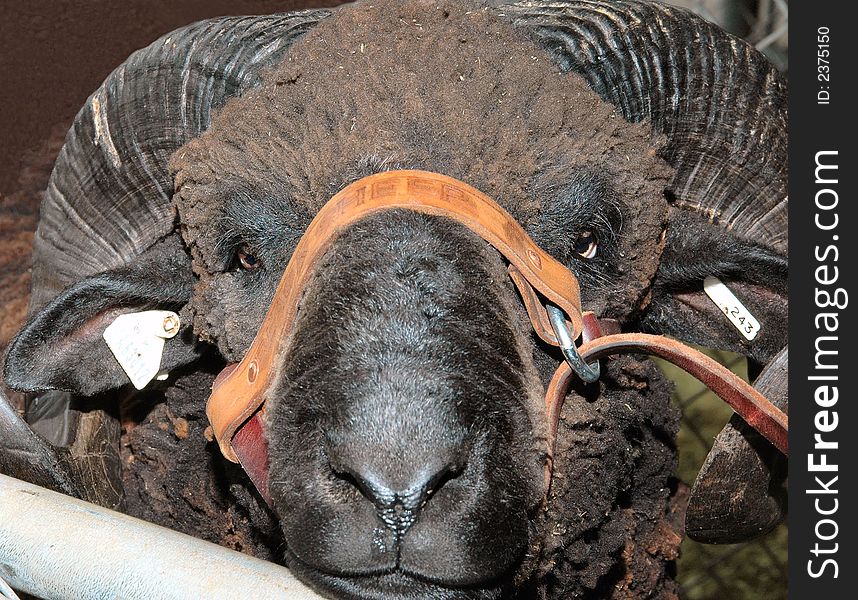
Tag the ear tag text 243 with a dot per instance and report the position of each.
(732, 307)
(137, 342)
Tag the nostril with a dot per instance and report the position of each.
(398, 487)
(355, 481)
(449, 472)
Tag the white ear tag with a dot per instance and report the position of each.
(137, 342)
(732, 308)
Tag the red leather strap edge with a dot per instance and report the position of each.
(250, 445)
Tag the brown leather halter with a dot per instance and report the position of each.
(237, 402)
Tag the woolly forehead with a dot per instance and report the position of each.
(416, 85)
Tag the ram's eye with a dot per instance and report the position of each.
(247, 259)
(586, 244)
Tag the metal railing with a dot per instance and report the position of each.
(55, 546)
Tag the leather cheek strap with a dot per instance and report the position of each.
(238, 393)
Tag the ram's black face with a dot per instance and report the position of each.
(406, 433)
(406, 428)
(405, 438)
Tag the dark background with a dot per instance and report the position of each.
(55, 53)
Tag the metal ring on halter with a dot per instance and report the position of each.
(588, 373)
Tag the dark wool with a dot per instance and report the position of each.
(440, 86)
(452, 88)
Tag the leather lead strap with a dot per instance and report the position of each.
(748, 403)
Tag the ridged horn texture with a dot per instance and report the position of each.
(719, 102)
(109, 196)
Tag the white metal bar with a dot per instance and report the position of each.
(59, 548)
(6, 592)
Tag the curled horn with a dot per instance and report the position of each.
(109, 197)
(719, 103)
(722, 109)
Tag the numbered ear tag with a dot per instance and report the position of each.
(732, 308)
(137, 342)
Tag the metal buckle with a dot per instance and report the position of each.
(587, 372)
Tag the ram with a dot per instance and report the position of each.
(401, 383)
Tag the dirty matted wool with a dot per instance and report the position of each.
(441, 86)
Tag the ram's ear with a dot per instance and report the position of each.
(61, 347)
(756, 275)
(728, 509)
